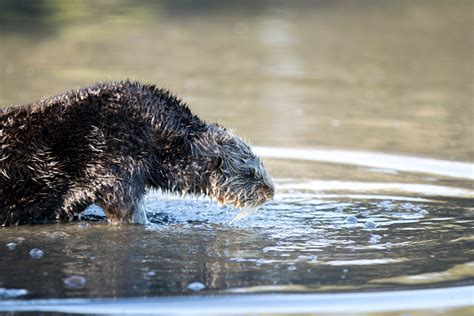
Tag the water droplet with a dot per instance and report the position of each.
(386, 205)
(36, 253)
(407, 206)
(374, 239)
(83, 225)
(351, 219)
(196, 286)
(370, 225)
(11, 246)
(75, 282)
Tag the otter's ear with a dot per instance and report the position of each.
(216, 163)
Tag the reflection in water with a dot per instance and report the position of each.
(377, 160)
(452, 301)
(422, 189)
(302, 238)
(458, 272)
(390, 77)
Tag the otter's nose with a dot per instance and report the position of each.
(269, 191)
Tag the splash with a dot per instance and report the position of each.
(244, 213)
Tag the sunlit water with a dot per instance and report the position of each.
(368, 107)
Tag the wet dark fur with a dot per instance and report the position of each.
(106, 144)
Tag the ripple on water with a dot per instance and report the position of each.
(302, 224)
(11, 293)
(309, 239)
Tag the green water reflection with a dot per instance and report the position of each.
(391, 76)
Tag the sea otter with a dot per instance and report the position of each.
(106, 144)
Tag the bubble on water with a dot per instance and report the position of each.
(238, 259)
(36, 253)
(20, 239)
(75, 282)
(370, 225)
(11, 293)
(83, 225)
(308, 258)
(410, 206)
(11, 246)
(424, 212)
(374, 239)
(407, 206)
(260, 262)
(340, 207)
(386, 205)
(388, 244)
(196, 286)
(292, 268)
(54, 235)
(351, 219)
(345, 270)
(151, 273)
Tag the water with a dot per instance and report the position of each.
(363, 111)
(315, 236)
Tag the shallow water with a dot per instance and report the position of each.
(315, 236)
(366, 109)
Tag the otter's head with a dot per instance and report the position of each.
(235, 175)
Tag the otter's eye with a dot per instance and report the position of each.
(216, 163)
(251, 173)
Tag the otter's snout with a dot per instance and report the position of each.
(268, 191)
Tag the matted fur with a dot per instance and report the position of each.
(106, 144)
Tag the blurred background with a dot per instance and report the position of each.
(387, 76)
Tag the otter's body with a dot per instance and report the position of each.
(106, 144)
